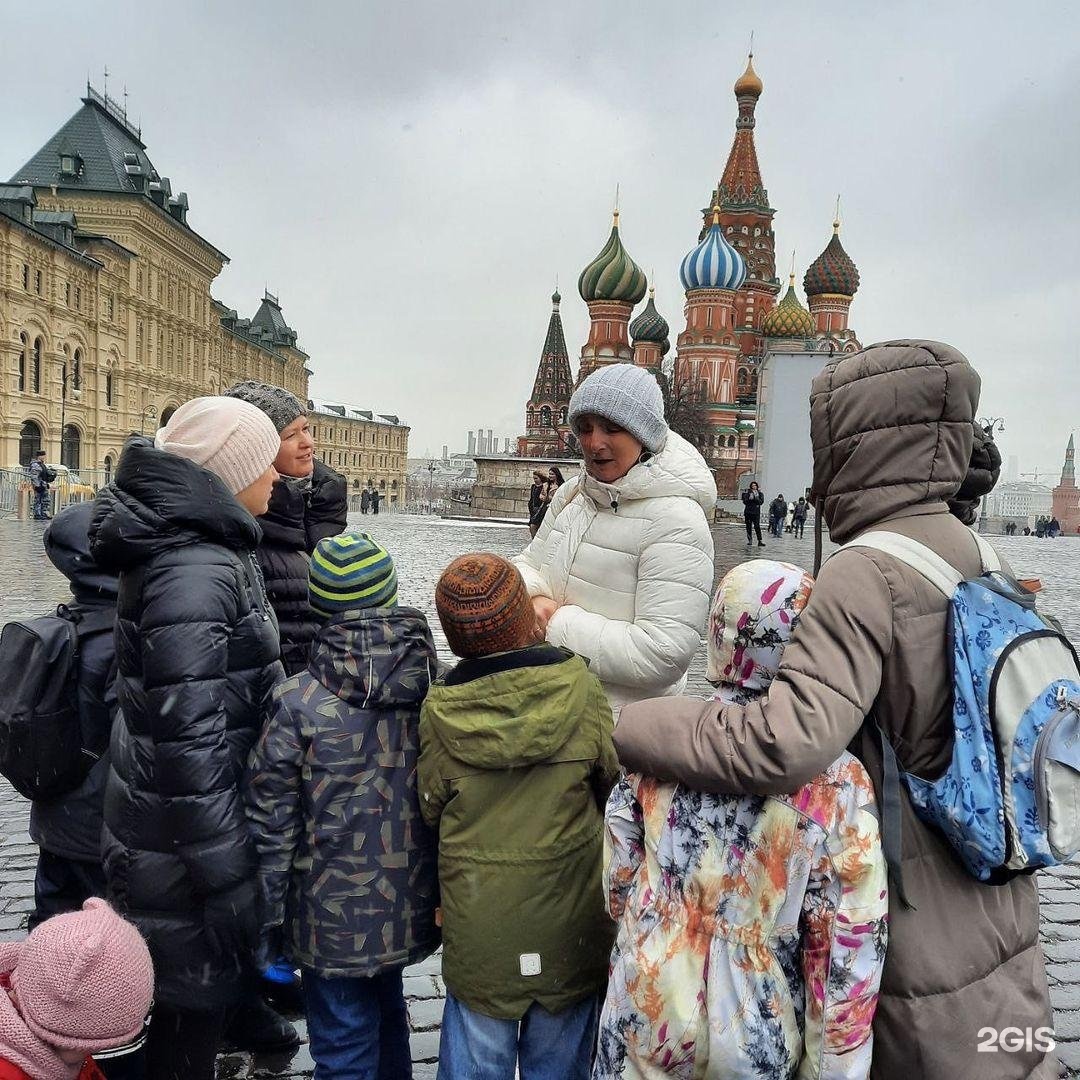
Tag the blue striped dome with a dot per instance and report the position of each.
(713, 264)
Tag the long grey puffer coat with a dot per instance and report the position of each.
(892, 437)
(197, 650)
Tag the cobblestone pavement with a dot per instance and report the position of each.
(421, 548)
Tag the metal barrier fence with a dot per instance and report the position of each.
(70, 486)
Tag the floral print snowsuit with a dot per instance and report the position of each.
(752, 929)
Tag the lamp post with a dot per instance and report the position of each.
(431, 487)
(989, 424)
(148, 413)
(66, 377)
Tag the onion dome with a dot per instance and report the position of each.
(832, 271)
(789, 319)
(650, 325)
(714, 263)
(612, 275)
(749, 83)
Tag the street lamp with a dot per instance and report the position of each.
(431, 487)
(76, 394)
(148, 413)
(989, 424)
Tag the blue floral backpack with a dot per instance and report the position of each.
(1009, 801)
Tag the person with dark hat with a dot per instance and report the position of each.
(309, 502)
(516, 764)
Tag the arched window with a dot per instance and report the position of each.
(393, 485)
(562, 415)
(382, 485)
(76, 371)
(545, 416)
(69, 447)
(29, 442)
(750, 443)
(108, 469)
(166, 414)
(35, 371)
(108, 387)
(24, 359)
(731, 442)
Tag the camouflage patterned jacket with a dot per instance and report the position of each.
(346, 864)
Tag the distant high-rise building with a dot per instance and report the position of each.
(472, 443)
(1012, 469)
(445, 452)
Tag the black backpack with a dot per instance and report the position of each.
(43, 752)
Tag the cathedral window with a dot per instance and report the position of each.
(35, 371)
(37, 282)
(24, 349)
(26, 276)
(76, 371)
(67, 293)
(108, 388)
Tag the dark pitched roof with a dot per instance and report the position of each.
(270, 320)
(101, 139)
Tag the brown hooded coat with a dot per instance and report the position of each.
(892, 435)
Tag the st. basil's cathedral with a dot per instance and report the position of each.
(732, 316)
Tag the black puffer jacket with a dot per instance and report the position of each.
(197, 649)
(300, 515)
(71, 825)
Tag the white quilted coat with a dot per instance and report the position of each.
(631, 566)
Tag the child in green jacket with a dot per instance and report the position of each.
(516, 762)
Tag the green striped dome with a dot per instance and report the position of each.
(789, 319)
(613, 275)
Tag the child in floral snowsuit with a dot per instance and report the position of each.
(752, 929)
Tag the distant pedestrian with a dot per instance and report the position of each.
(41, 476)
(798, 519)
(346, 866)
(376, 498)
(80, 984)
(536, 500)
(1040, 527)
(753, 498)
(365, 501)
(777, 512)
(553, 480)
(1053, 530)
(516, 763)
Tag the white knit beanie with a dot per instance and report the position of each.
(228, 436)
(626, 395)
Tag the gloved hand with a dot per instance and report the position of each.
(230, 920)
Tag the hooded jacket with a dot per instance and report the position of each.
(767, 910)
(70, 826)
(197, 651)
(892, 438)
(301, 513)
(631, 566)
(516, 763)
(345, 861)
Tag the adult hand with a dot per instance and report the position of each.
(544, 607)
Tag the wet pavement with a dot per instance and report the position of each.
(421, 548)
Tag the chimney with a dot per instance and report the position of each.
(492, 445)
(472, 443)
(506, 447)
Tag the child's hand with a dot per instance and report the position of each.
(544, 607)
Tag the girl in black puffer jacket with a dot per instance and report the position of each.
(309, 504)
(197, 652)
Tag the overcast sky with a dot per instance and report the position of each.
(410, 177)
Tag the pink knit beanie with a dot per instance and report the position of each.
(229, 437)
(84, 981)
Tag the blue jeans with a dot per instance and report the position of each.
(359, 1029)
(547, 1046)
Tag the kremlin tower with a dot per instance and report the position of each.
(1067, 495)
(610, 285)
(547, 433)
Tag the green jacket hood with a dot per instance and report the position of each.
(519, 709)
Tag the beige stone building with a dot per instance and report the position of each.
(107, 322)
(368, 449)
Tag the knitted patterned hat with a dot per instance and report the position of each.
(84, 981)
(278, 403)
(348, 572)
(228, 437)
(484, 607)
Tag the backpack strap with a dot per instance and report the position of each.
(991, 562)
(942, 575)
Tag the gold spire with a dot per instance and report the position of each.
(749, 82)
(836, 218)
(716, 214)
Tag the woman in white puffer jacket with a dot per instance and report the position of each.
(621, 571)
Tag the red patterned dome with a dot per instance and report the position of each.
(832, 271)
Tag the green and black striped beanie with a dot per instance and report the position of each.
(348, 572)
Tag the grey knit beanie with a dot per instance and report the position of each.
(278, 403)
(626, 395)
